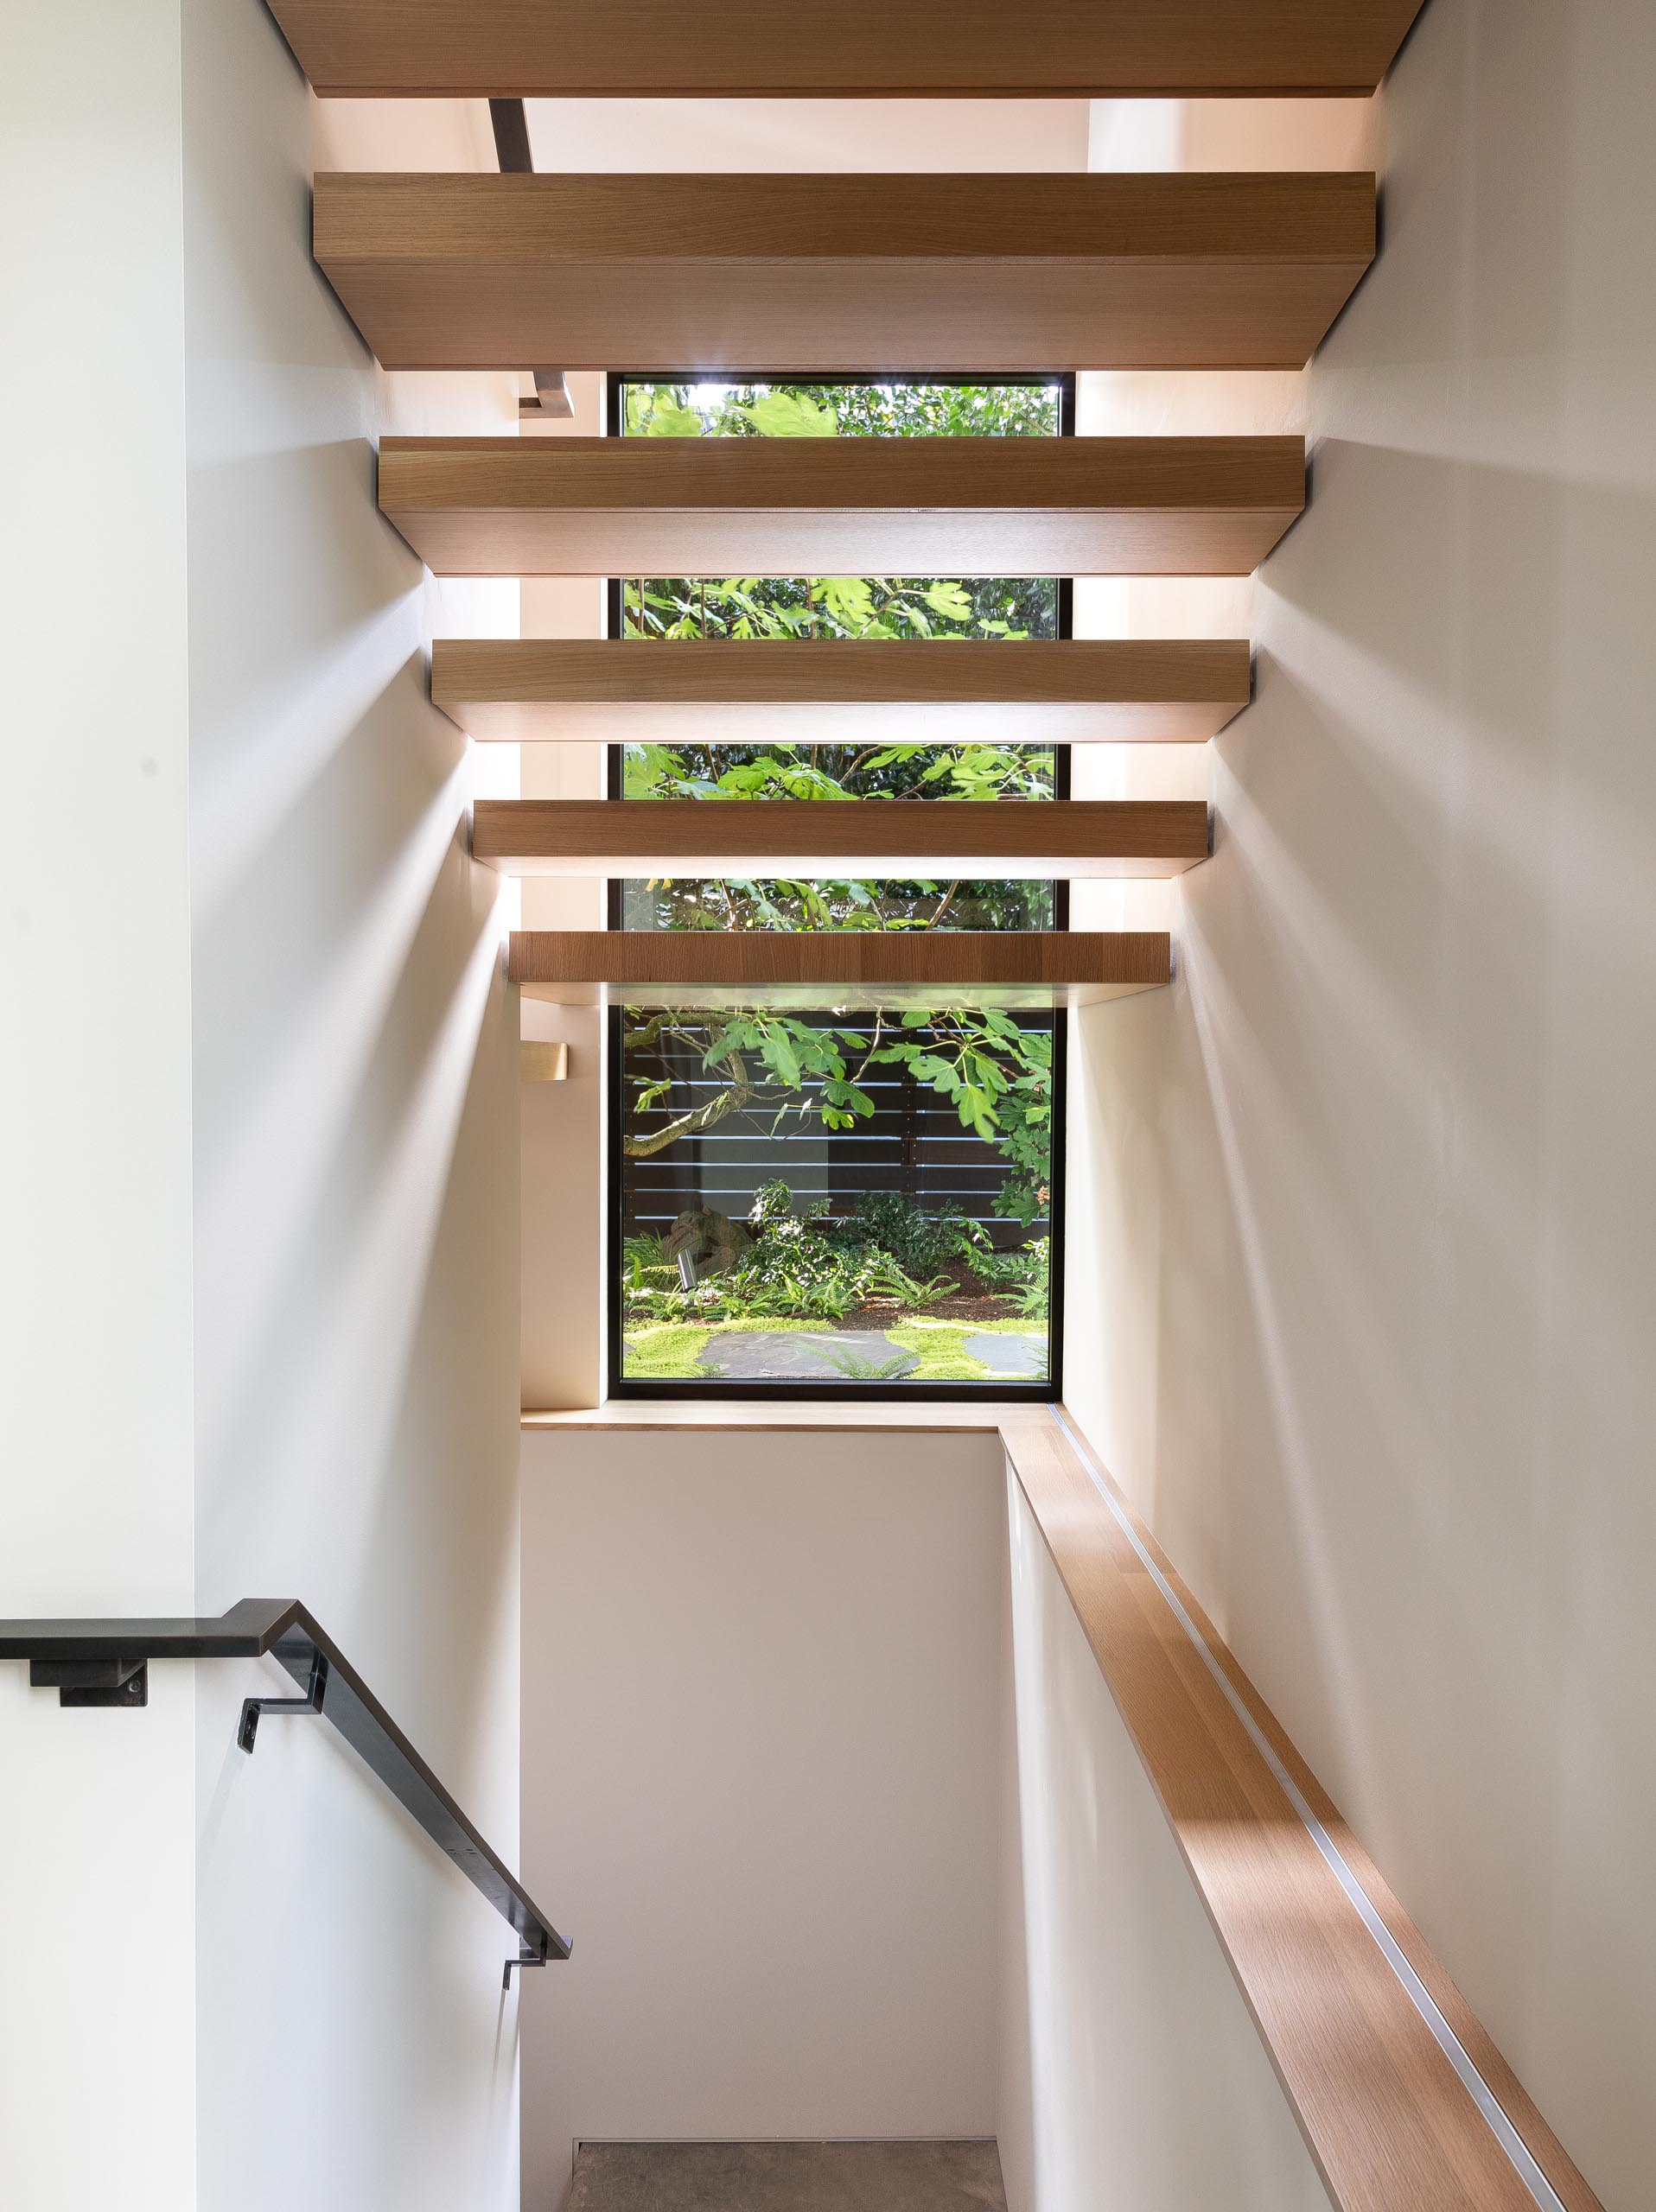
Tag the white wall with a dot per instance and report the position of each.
(1368, 1194)
(216, 718)
(761, 1774)
(355, 1193)
(1131, 2074)
(97, 2092)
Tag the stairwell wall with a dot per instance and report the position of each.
(1363, 1210)
(1131, 2072)
(97, 1905)
(761, 1763)
(355, 1200)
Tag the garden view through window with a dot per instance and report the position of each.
(839, 1197)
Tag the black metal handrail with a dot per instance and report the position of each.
(105, 1662)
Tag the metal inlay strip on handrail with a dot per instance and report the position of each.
(105, 1662)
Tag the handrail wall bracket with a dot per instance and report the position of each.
(524, 1958)
(247, 1728)
(123, 1680)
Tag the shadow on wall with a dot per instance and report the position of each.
(356, 1195)
(1369, 1188)
(1131, 2072)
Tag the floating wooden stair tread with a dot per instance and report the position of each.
(926, 49)
(890, 838)
(1009, 969)
(842, 506)
(841, 690)
(977, 272)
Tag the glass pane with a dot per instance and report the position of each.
(897, 409)
(834, 772)
(839, 607)
(821, 1199)
(824, 1199)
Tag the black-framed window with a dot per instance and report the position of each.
(846, 1204)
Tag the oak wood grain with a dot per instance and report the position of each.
(732, 273)
(792, 1417)
(926, 49)
(1007, 968)
(842, 506)
(841, 690)
(1387, 2120)
(893, 838)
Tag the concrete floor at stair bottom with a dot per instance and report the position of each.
(958, 2176)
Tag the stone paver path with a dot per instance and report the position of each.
(1009, 1353)
(848, 1355)
(760, 1354)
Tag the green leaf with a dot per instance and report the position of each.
(791, 414)
(780, 1054)
(948, 599)
(667, 421)
(847, 1094)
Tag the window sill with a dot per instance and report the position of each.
(986, 1415)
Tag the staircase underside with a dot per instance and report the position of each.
(787, 274)
(924, 839)
(842, 690)
(861, 969)
(579, 506)
(952, 2177)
